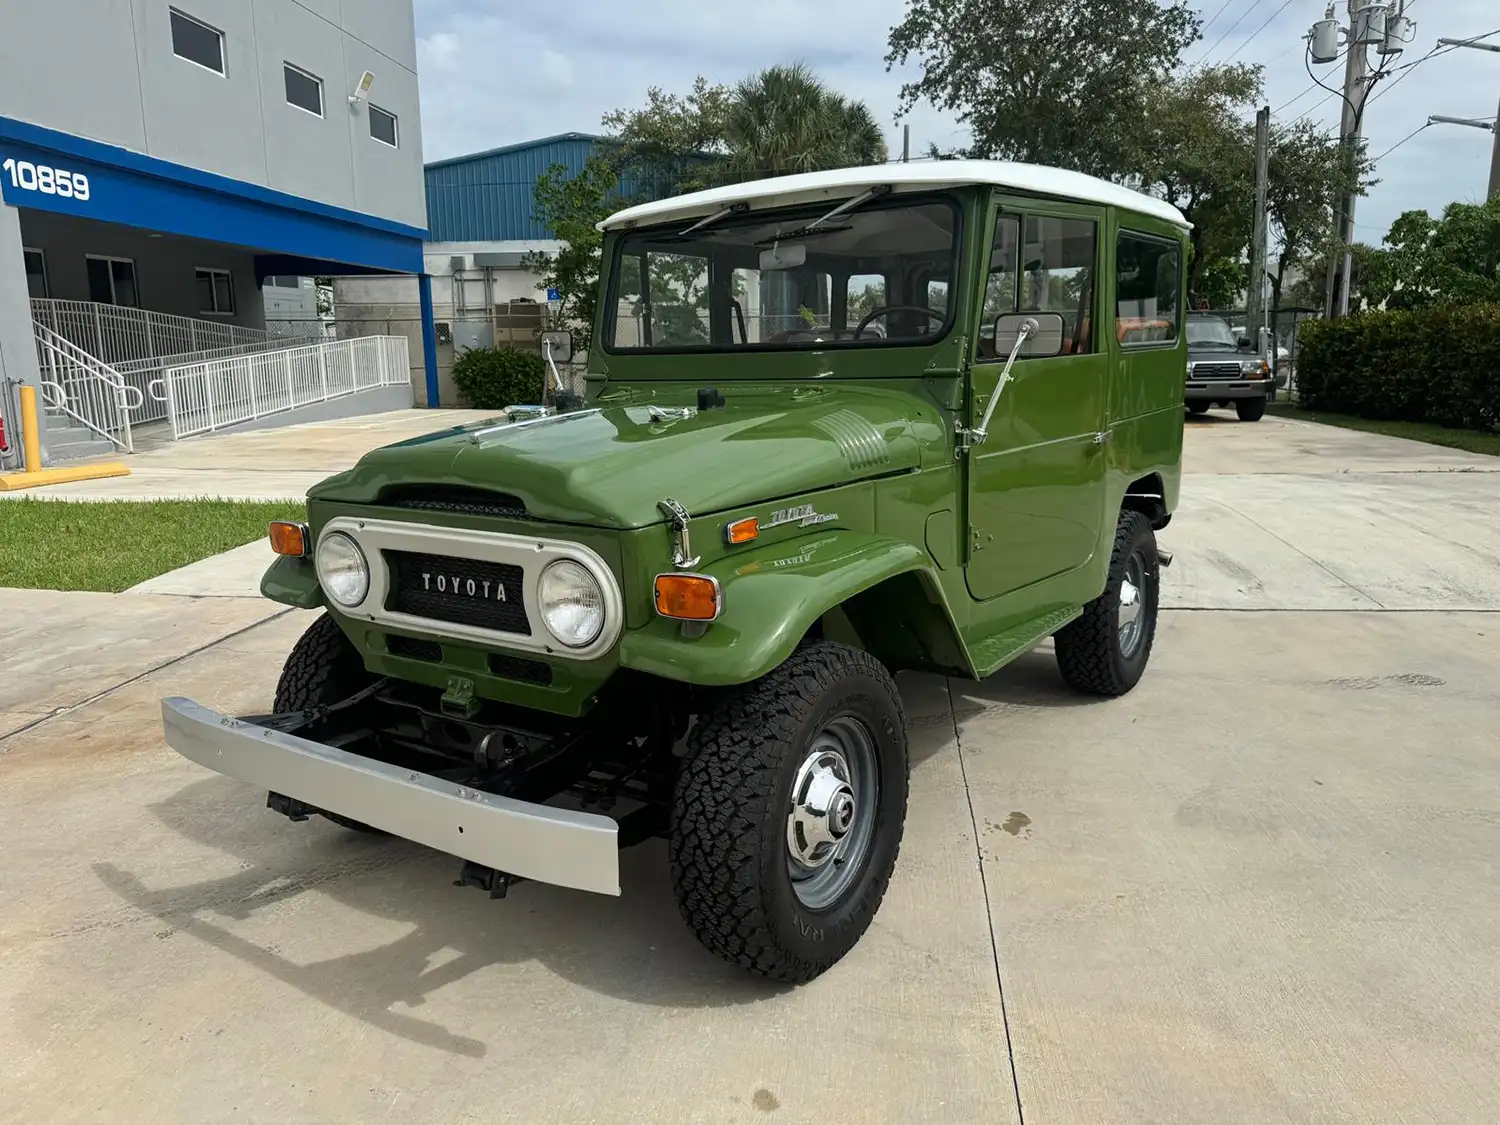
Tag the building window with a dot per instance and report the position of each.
(195, 41)
(112, 281)
(284, 281)
(303, 90)
(215, 292)
(383, 126)
(36, 271)
(1150, 279)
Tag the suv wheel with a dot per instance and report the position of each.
(788, 813)
(322, 668)
(1104, 652)
(1250, 409)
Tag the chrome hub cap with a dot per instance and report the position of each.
(1132, 624)
(832, 815)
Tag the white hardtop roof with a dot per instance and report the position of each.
(843, 183)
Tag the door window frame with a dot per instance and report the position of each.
(1020, 208)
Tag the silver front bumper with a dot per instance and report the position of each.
(570, 849)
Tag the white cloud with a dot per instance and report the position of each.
(494, 74)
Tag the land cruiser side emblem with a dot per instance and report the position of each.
(802, 515)
(473, 587)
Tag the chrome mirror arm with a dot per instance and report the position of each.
(982, 431)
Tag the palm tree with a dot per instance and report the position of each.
(784, 120)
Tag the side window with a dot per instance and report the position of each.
(1057, 275)
(1147, 288)
(1000, 288)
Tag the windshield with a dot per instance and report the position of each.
(1210, 330)
(875, 276)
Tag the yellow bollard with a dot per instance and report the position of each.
(31, 431)
(31, 454)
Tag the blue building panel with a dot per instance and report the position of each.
(488, 196)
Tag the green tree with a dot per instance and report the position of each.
(1431, 262)
(1308, 175)
(1367, 276)
(674, 143)
(1193, 147)
(1061, 82)
(1222, 283)
(571, 207)
(783, 120)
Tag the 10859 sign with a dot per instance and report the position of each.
(46, 179)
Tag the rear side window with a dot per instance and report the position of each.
(1148, 289)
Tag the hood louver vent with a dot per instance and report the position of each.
(455, 499)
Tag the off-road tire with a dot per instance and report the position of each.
(1250, 409)
(323, 668)
(729, 815)
(1089, 654)
(1197, 408)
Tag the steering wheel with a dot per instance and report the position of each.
(884, 309)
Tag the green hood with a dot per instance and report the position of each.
(610, 467)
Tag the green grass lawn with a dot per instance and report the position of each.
(1473, 441)
(58, 545)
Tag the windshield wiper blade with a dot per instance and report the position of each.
(849, 205)
(800, 232)
(732, 209)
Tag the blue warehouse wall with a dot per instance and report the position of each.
(488, 196)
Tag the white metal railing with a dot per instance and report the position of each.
(215, 393)
(117, 334)
(85, 389)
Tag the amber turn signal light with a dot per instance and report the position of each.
(289, 538)
(688, 597)
(742, 531)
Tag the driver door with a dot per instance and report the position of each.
(1036, 486)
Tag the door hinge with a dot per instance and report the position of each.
(978, 540)
(1103, 437)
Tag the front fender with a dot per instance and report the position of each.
(292, 581)
(772, 597)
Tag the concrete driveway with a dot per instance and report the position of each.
(1261, 888)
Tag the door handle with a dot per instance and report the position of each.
(1103, 437)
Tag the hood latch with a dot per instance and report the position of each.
(677, 523)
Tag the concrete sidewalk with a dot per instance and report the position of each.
(280, 464)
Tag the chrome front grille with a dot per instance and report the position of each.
(1216, 371)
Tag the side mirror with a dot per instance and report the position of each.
(1245, 343)
(560, 345)
(1045, 340)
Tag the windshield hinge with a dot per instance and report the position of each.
(964, 439)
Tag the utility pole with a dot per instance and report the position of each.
(1372, 23)
(1255, 294)
(905, 144)
(1494, 192)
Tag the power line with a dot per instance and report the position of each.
(1436, 52)
(1222, 9)
(1253, 5)
(1401, 142)
(1262, 28)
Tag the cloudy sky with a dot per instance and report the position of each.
(494, 73)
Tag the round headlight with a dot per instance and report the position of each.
(571, 602)
(342, 569)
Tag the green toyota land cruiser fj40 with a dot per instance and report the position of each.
(836, 425)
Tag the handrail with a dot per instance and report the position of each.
(92, 392)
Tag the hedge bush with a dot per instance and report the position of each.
(1437, 365)
(494, 378)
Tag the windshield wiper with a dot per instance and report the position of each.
(801, 232)
(849, 205)
(732, 209)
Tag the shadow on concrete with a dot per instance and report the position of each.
(634, 947)
(1028, 681)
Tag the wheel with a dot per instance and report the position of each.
(788, 813)
(1197, 408)
(1250, 409)
(323, 668)
(1105, 651)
